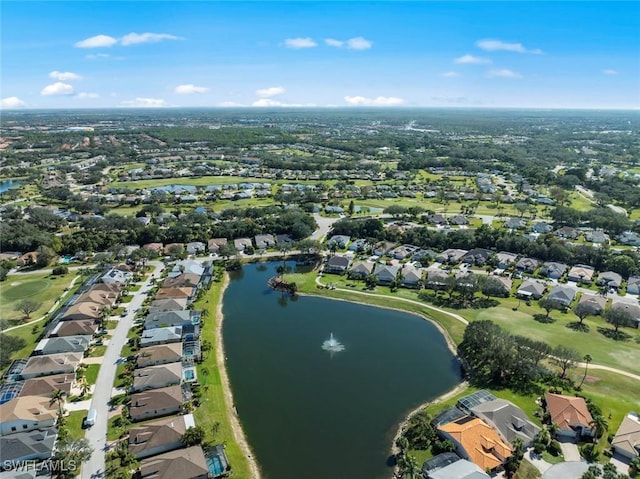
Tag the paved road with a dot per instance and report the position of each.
(324, 225)
(97, 434)
(49, 270)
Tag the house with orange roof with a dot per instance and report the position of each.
(476, 441)
(570, 414)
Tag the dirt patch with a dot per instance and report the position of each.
(591, 379)
(16, 283)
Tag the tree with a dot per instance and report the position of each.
(227, 250)
(548, 304)
(45, 256)
(193, 436)
(587, 359)
(582, 310)
(513, 463)
(10, 344)
(58, 397)
(564, 358)
(27, 306)
(491, 287)
(599, 425)
(69, 456)
(618, 317)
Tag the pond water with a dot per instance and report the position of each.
(320, 386)
(6, 185)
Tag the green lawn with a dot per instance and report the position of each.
(213, 408)
(91, 373)
(40, 287)
(96, 351)
(74, 424)
(527, 471)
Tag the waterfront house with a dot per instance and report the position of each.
(189, 463)
(264, 241)
(156, 403)
(160, 436)
(410, 276)
(508, 419)
(436, 279)
(337, 265)
(386, 274)
(160, 354)
(169, 304)
(154, 377)
(361, 269)
(153, 337)
(214, 244)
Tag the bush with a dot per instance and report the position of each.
(59, 271)
(554, 448)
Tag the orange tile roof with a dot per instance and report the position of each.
(567, 410)
(483, 444)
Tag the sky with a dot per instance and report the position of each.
(86, 54)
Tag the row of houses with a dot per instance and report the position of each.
(162, 378)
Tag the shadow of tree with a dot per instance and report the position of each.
(544, 319)
(578, 326)
(613, 334)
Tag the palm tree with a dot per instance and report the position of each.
(599, 426)
(587, 359)
(58, 396)
(85, 387)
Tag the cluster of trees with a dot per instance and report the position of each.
(600, 218)
(492, 357)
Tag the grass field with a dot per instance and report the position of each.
(212, 409)
(40, 287)
(92, 373)
(74, 424)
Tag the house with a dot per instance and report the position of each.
(337, 265)
(90, 311)
(28, 259)
(153, 337)
(214, 244)
(176, 293)
(160, 354)
(424, 255)
(477, 256)
(338, 241)
(438, 462)
(477, 442)
(436, 219)
(632, 309)
(82, 327)
(184, 280)
(187, 266)
(155, 403)
(626, 442)
(360, 270)
(542, 228)
(527, 265)
(115, 288)
(156, 248)
(410, 276)
(169, 304)
(505, 259)
(596, 304)
(51, 364)
(66, 344)
(436, 279)
(630, 238)
(382, 248)
(598, 237)
(159, 437)
(386, 274)
(461, 469)
(403, 251)
(451, 256)
(35, 445)
(561, 294)
(567, 232)
(581, 274)
(570, 414)
(503, 285)
(154, 377)
(173, 249)
(284, 239)
(195, 247)
(166, 319)
(633, 285)
(116, 276)
(26, 413)
(242, 243)
(264, 241)
(553, 270)
(44, 385)
(189, 463)
(531, 289)
(105, 298)
(509, 420)
(610, 279)
(458, 220)
(515, 223)
(358, 245)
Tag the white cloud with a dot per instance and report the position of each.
(83, 95)
(266, 102)
(12, 102)
(190, 89)
(230, 104)
(450, 74)
(271, 91)
(96, 42)
(377, 101)
(145, 103)
(496, 45)
(609, 71)
(298, 43)
(359, 43)
(356, 43)
(136, 38)
(57, 88)
(332, 42)
(64, 76)
(503, 73)
(94, 56)
(470, 59)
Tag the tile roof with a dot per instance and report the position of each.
(567, 410)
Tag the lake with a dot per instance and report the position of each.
(312, 413)
(6, 185)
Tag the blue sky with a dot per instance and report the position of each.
(84, 54)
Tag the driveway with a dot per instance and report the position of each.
(570, 451)
(324, 225)
(535, 459)
(97, 434)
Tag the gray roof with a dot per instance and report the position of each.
(161, 335)
(562, 294)
(566, 470)
(508, 419)
(386, 271)
(36, 444)
(531, 286)
(362, 267)
(461, 469)
(170, 318)
(65, 344)
(475, 399)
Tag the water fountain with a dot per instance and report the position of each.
(332, 345)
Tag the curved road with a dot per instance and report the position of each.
(464, 321)
(97, 434)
